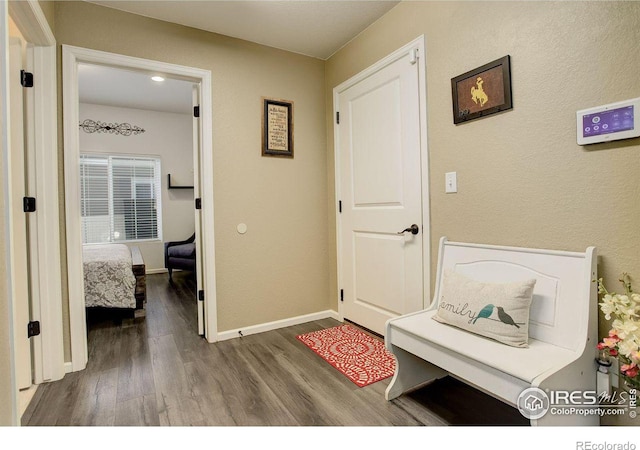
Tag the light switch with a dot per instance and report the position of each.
(451, 182)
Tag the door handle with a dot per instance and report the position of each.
(413, 229)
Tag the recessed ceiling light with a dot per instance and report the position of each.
(157, 78)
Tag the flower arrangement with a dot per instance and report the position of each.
(623, 341)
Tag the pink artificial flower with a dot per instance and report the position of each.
(613, 352)
(630, 370)
(600, 346)
(610, 342)
(613, 333)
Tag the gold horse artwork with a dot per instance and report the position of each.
(478, 94)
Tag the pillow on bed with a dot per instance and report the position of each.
(498, 311)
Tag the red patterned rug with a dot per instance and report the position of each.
(360, 357)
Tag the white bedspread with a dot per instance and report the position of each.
(108, 276)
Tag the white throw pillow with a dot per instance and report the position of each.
(498, 311)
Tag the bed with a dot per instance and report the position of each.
(114, 277)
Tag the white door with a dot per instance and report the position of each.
(19, 248)
(197, 195)
(380, 192)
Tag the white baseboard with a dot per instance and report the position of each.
(269, 326)
(261, 328)
(154, 271)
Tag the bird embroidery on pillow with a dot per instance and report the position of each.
(506, 318)
(485, 313)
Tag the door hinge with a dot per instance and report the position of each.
(341, 295)
(340, 206)
(338, 117)
(33, 329)
(198, 203)
(28, 204)
(26, 79)
(201, 296)
(196, 111)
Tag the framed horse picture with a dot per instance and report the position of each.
(482, 91)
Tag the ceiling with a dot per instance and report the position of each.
(103, 85)
(310, 27)
(316, 28)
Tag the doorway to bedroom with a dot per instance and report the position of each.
(133, 164)
(135, 134)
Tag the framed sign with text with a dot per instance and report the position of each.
(277, 128)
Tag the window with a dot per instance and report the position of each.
(120, 198)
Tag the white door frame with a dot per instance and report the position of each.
(71, 57)
(42, 176)
(405, 51)
(19, 239)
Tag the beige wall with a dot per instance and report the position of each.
(279, 268)
(522, 179)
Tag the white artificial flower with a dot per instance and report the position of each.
(628, 311)
(625, 310)
(627, 347)
(607, 309)
(625, 328)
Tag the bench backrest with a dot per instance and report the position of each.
(564, 307)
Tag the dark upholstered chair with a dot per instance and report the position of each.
(180, 255)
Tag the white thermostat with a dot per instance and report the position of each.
(610, 122)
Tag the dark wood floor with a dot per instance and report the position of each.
(158, 371)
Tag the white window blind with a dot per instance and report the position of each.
(120, 198)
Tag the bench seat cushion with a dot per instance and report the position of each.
(523, 363)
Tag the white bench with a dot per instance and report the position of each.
(562, 329)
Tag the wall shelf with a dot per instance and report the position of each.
(175, 187)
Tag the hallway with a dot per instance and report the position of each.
(157, 371)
